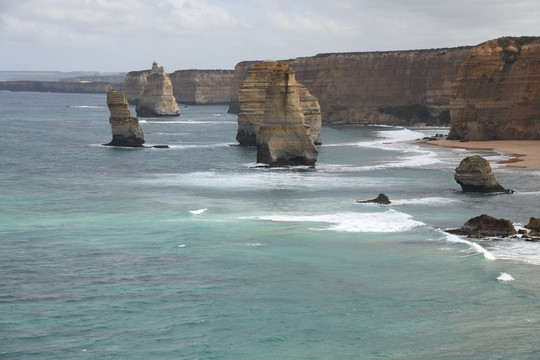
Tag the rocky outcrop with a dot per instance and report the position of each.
(474, 174)
(57, 87)
(282, 138)
(484, 225)
(252, 96)
(157, 98)
(496, 95)
(393, 87)
(126, 130)
(381, 199)
(202, 86)
(534, 224)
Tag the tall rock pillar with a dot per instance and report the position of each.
(283, 137)
(126, 130)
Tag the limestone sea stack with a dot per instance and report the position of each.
(474, 174)
(283, 137)
(126, 130)
(157, 98)
(252, 97)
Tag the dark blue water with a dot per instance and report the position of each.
(193, 252)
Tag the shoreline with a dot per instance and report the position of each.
(526, 153)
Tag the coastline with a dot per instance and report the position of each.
(526, 153)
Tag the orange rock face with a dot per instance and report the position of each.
(496, 95)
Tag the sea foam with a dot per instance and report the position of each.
(388, 221)
(477, 247)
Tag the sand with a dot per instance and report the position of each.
(526, 153)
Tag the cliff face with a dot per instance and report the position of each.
(356, 87)
(202, 86)
(157, 98)
(497, 92)
(189, 86)
(133, 85)
(252, 99)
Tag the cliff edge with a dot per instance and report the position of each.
(496, 95)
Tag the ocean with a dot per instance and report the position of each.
(195, 252)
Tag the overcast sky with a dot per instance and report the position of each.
(125, 35)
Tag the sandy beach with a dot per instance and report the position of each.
(526, 153)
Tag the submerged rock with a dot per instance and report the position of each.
(126, 130)
(484, 225)
(474, 175)
(283, 137)
(381, 199)
(157, 98)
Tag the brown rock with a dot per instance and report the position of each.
(157, 98)
(283, 137)
(474, 175)
(496, 95)
(202, 86)
(353, 87)
(133, 85)
(126, 130)
(484, 225)
(252, 97)
(534, 224)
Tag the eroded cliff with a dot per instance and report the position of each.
(497, 92)
(394, 87)
(189, 86)
(202, 86)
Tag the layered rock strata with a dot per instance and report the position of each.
(283, 138)
(496, 95)
(126, 130)
(252, 100)
(375, 87)
(202, 87)
(157, 98)
(133, 85)
(474, 174)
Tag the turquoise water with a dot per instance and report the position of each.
(193, 252)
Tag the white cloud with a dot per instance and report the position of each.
(124, 34)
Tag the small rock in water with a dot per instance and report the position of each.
(381, 199)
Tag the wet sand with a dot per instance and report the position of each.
(526, 153)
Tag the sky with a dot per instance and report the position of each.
(126, 35)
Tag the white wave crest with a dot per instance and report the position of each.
(424, 201)
(480, 249)
(198, 212)
(388, 221)
(505, 277)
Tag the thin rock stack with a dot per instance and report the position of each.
(157, 98)
(126, 130)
